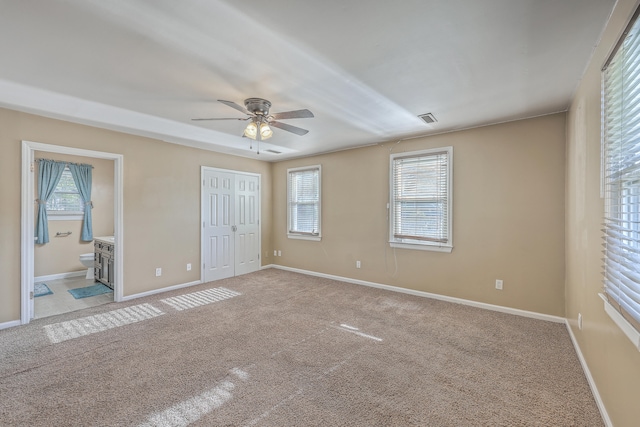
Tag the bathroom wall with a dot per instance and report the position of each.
(61, 254)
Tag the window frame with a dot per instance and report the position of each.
(408, 243)
(292, 234)
(56, 215)
(620, 184)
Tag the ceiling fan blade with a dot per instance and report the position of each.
(223, 119)
(235, 106)
(289, 128)
(297, 114)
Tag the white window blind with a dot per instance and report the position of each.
(303, 199)
(621, 176)
(66, 200)
(421, 198)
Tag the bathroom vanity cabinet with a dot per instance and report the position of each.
(103, 257)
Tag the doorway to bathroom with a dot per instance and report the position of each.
(72, 288)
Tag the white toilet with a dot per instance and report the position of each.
(87, 261)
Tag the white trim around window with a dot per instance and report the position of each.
(304, 203)
(420, 204)
(621, 182)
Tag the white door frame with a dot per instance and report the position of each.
(28, 219)
(202, 239)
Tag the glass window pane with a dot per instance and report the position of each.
(65, 198)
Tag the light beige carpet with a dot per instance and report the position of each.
(276, 348)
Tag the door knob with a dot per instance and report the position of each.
(234, 228)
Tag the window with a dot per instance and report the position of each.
(66, 202)
(621, 182)
(420, 205)
(303, 200)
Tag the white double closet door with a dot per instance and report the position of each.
(230, 223)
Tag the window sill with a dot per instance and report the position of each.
(622, 323)
(58, 217)
(304, 237)
(417, 246)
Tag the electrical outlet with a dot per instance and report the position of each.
(275, 253)
(580, 321)
(358, 264)
(499, 284)
(188, 267)
(158, 272)
(279, 253)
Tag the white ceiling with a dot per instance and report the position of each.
(365, 68)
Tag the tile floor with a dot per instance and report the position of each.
(61, 301)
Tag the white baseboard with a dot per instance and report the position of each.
(161, 290)
(60, 276)
(587, 373)
(10, 324)
(492, 307)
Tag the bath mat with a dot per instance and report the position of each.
(90, 291)
(41, 289)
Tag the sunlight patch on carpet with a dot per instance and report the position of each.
(354, 330)
(196, 299)
(70, 329)
(191, 410)
(310, 383)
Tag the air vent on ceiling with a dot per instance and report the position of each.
(428, 118)
(273, 151)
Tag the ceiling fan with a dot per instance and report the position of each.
(261, 121)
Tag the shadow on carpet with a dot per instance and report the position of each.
(90, 291)
(41, 289)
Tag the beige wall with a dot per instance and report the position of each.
(508, 217)
(61, 254)
(613, 361)
(161, 201)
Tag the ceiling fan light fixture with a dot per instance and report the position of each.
(261, 121)
(265, 131)
(251, 131)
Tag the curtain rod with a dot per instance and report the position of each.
(66, 163)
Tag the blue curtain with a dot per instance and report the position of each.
(82, 177)
(49, 173)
